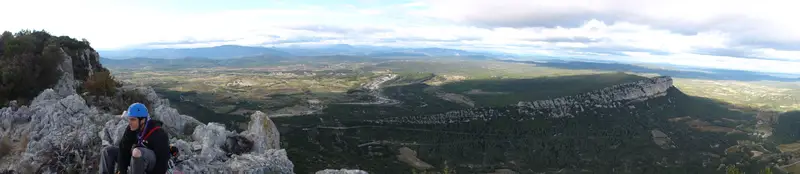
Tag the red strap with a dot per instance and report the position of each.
(151, 131)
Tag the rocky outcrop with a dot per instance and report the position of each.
(84, 62)
(263, 132)
(63, 132)
(609, 97)
(409, 157)
(67, 83)
(207, 155)
(60, 133)
(661, 139)
(616, 96)
(76, 68)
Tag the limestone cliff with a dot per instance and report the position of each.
(611, 97)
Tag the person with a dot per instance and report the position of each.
(143, 149)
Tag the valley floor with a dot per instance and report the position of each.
(325, 113)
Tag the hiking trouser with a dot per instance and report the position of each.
(140, 165)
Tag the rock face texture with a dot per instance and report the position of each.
(59, 133)
(263, 132)
(58, 129)
(610, 97)
(409, 157)
(661, 139)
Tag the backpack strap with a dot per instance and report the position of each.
(150, 132)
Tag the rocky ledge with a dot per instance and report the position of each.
(611, 97)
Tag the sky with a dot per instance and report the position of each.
(731, 34)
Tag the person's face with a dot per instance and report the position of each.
(133, 123)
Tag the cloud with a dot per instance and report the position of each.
(370, 12)
(168, 43)
(759, 23)
(711, 33)
(340, 29)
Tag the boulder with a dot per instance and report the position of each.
(263, 132)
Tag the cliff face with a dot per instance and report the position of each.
(611, 97)
(76, 67)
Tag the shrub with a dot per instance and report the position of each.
(101, 84)
(130, 97)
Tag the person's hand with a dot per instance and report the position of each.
(137, 153)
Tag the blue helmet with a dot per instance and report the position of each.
(137, 110)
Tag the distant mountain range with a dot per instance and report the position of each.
(236, 51)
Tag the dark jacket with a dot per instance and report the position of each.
(158, 141)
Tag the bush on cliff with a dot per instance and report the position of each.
(101, 83)
(29, 63)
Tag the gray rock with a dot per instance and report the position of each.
(67, 83)
(213, 159)
(64, 132)
(661, 139)
(237, 145)
(58, 128)
(263, 132)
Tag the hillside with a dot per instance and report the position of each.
(362, 112)
(645, 126)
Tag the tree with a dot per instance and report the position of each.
(6, 36)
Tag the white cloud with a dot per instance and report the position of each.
(631, 30)
(370, 12)
(744, 19)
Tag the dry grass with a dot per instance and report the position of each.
(700, 125)
(5, 147)
(776, 96)
(793, 147)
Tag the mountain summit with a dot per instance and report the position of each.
(62, 131)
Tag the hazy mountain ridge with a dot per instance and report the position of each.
(236, 51)
(218, 52)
